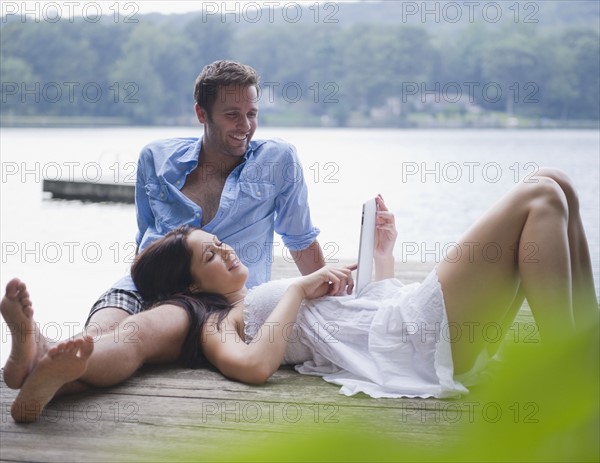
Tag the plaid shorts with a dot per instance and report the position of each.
(132, 303)
(129, 301)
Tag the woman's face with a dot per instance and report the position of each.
(215, 267)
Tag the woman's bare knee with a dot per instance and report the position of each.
(544, 195)
(565, 183)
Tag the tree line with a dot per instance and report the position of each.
(335, 72)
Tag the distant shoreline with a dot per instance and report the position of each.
(50, 123)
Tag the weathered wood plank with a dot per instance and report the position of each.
(166, 410)
(77, 422)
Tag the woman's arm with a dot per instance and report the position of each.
(254, 363)
(385, 238)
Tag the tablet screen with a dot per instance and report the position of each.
(367, 245)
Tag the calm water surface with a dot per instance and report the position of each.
(436, 182)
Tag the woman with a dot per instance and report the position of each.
(416, 340)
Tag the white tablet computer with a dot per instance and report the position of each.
(364, 271)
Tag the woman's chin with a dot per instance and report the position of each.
(242, 270)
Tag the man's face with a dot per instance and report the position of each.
(233, 120)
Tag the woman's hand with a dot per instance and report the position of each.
(385, 230)
(385, 238)
(332, 281)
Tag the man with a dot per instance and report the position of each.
(236, 188)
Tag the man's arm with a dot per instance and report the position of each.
(292, 218)
(143, 211)
(310, 259)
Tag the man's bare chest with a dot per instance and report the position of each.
(205, 192)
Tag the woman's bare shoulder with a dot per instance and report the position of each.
(231, 325)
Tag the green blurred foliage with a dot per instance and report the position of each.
(540, 405)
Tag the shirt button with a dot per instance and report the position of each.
(177, 182)
(258, 193)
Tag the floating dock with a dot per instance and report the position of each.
(90, 191)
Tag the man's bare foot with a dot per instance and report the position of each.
(62, 364)
(28, 344)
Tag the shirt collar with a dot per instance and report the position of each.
(193, 153)
(252, 147)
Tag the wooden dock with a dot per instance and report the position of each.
(166, 413)
(90, 191)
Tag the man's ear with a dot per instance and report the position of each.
(201, 114)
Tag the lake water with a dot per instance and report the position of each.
(436, 182)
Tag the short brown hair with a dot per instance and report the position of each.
(220, 74)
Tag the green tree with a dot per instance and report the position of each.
(559, 84)
(200, 42)
(381, 61)
(585, 48)
(461, 60)
(137, 71)
(61, 58)
(13, 73)
(510, 63)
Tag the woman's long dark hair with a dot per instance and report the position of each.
(162, 275)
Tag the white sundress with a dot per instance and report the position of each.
(388, 342)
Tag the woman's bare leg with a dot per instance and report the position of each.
(585, 302)
(522, 240)
(506, 325)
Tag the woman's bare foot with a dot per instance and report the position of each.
(28, 344)
(62, 364)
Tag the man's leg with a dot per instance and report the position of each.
(153, 336)
(62, 364)
(106, 314)
(111, 309)
(28, 344)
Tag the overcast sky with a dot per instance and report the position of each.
(90, 8)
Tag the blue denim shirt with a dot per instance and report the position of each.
(265, 193)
